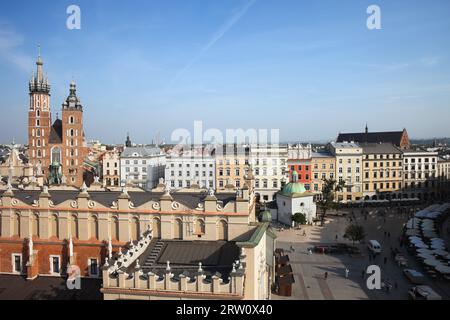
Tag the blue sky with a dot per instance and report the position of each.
(308, 68)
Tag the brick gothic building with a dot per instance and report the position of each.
(56, 150)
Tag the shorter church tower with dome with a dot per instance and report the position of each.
(294, 198)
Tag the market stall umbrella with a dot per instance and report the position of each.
(433, 215)
(426, 251)
(421, 214)
(443, 269)
(420, 245)
(440, 252)
(437, 246)
(414, 241)
(432, 262)
(426, 256)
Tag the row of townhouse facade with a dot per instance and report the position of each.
(373, 171)
(370, 171)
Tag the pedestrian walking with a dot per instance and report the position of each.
(310, 251)
(385, 233)
(389, 234)
(326, 275)
(346, 273)
(304, 233)
(336, 237)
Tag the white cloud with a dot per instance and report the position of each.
(10, 43)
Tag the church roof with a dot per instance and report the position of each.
(394, 137)
(56, 132)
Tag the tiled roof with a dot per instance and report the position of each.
(393, 137)
(106, 198)
(56, 132)
(379, 148)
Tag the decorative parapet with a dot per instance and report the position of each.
(117, 278)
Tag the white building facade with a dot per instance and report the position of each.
(142, 166)
(191, 168)
(420, 171)
(269, 164)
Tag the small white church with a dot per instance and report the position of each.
(293, 198)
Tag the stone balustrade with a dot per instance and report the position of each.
(198, 283)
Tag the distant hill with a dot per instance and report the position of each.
(431, 142)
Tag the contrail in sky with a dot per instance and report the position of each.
(217, 36)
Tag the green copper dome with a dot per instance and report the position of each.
(293, 187)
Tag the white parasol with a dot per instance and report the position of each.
(443, 269)
(432, 262)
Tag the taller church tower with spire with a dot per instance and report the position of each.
(56, 151)
(39, 120)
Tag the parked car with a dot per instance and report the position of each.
(401, 260)
(423, 293)
(414, 276)
(374, 246)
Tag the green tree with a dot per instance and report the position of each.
(329, 189)
(299, 218)
(354, 233)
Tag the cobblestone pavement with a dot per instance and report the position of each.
(309, 269)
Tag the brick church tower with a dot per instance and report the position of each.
(56, 151)
(39, 120)
(73, 139)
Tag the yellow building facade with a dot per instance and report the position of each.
(382, 167)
